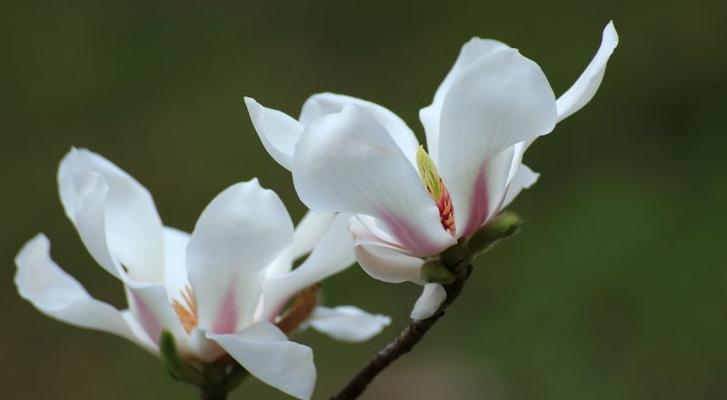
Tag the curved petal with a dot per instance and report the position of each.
(497, 101)
(148, 301)
(175, 262)
(587, 84)
(56, 294)
(277, 131)
(332, 254)
(348, 162)
(266, 353)
(237, 236)
(429, 116)
(122, 214)
(309, 231)
(322, 104)
(429, 301)
(348, 323)
(369, 230)
(389, 265)
(524, 179)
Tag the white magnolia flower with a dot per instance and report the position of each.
(219, 290)
(354, 156)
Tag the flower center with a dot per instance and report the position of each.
(187, 311)
(434, 184)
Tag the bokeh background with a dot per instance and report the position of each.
(615, 289)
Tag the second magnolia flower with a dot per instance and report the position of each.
(221, 290)
(350, 155)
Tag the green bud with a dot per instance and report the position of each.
(500, 227)
(436, 271)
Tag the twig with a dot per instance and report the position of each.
(457, 261)
(409, 337)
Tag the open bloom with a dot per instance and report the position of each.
(221, 290)
(354, 156)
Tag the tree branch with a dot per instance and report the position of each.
(409, 337)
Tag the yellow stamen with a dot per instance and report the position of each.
(429, 174)
(435, 185)
(187, 311)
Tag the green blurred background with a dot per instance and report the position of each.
(615, 289)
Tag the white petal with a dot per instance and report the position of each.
(56, 294)
(175, 262)
(322, 104)
(369, 230)
(429, 116)
(267, 354)
(277, 131)
(201, 347)
(497, 101)
(429, 301)
(348, 323)
(332, 254)
(587, 84)
(309, 231)
(116, 212)
(389, 265)
(524, 179)
(237, 236)
(348, 162)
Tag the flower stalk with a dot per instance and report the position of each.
(458, 263)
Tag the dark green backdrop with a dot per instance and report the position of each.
(616, 288)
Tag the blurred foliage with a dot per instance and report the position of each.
(615, 289)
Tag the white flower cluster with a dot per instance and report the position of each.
(229, 289)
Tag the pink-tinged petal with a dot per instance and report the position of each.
(348, 162)
(587, 84)
(277, 131)
(497, 101)
(114, 214)
(429, 116)
(227, 315)
(240, 233)
(389, 265)
(348, 323)
(265, 351)
(58, 295)
(488, 192)
(322, 104)
(429, 301)
(368, 230)
(153, 310)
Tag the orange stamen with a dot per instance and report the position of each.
(187, 311)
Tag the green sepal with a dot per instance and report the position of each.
(500, 227)
(435, 271)
(176, 365)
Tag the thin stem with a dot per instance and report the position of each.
(407, 339)
(205, 395)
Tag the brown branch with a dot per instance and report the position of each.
(409, 337)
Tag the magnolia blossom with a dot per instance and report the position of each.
(221, 290)
(351, 155)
